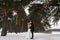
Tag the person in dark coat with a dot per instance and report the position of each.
(32, 29)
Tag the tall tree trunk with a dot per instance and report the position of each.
(5, 22)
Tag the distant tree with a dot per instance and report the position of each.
(18, 6)
(41, 15)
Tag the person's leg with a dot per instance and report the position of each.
(32, 35)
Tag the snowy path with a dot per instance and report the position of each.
(37, 36)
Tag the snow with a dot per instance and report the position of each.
(30, 5)
(0, 30)
(55, 32)
(56, 26)
(37, 2)
(37, 36)
(26, 10)
(14, 13)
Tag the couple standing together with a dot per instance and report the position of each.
(30, 32)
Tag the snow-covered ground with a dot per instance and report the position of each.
(37, 36)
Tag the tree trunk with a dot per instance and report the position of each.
(5, 22)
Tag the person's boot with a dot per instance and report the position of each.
(31, 38)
